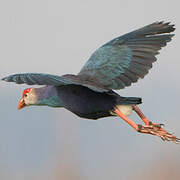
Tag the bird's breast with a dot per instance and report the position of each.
(86, 103)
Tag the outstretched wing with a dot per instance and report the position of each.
(53, 80)
(115, 65)
(124, 60)
(36, 79)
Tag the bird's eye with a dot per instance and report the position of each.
(25, 95)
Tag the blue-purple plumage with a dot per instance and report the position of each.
(127, 58)
(115, 65)
(89, 104)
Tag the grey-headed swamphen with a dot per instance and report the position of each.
(115, 65)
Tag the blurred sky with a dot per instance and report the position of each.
(53, 36)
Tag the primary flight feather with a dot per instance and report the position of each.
(115, 65)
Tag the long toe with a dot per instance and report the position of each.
(157, 130)
(155, 124)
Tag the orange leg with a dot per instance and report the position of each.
(143, 117)
(149, 127)
(125, 118)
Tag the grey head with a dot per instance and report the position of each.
(43, 96)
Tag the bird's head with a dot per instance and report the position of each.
(28, 98)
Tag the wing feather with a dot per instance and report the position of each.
(115, 65)
(53, 80)
(125, 59)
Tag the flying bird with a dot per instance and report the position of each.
(115, 65)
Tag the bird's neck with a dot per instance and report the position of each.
(47, 96)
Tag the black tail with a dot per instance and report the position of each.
(129, 100)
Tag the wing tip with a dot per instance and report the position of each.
(4, 79)
(167, 26)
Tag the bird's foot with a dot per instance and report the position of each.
(155, 124)
(157, 130)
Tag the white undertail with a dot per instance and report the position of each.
(125, 109)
